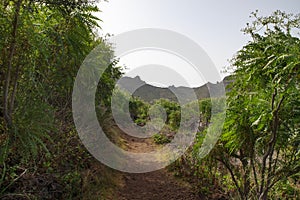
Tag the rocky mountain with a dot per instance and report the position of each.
(150, 93)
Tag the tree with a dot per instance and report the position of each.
(43, 44)
(263, 117)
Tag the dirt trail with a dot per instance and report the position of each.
(157, 185)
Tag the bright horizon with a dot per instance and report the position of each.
(214, 25)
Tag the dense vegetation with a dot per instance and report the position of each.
(262, 130)
(44, 42)
(258, 156)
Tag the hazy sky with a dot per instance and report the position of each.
(214, 24)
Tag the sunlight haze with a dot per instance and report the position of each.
(214, 25)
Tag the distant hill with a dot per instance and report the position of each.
(149, 93)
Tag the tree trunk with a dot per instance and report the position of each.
(7, 102)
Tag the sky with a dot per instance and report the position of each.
(215, 25)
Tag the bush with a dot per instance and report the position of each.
(160, 138)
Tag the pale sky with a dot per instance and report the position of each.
(214, 24)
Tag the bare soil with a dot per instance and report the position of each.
(157, 185)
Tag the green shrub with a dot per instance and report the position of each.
(160, 138)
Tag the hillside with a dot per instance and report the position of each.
(148, 93)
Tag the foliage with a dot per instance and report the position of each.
(41, 49)
(258, 154)
(160, 138)
(43, 43)
(262, 126)
(138, 110)
(173, 113)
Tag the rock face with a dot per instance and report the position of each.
(149, 93)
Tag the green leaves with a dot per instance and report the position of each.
(263, 99)
(50, 40)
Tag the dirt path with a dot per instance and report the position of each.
(157, 185)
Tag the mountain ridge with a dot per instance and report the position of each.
(149, 93)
